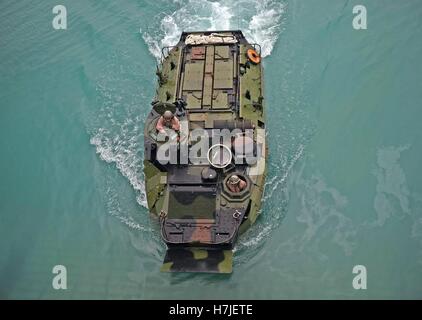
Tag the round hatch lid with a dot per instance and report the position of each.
(219, 156)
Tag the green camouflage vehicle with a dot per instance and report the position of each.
(205, 150)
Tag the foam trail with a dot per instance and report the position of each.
(261, 22)
(125, 158)
(276, 180)
(265, 26)
(255, 236)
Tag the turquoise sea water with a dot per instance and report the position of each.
(344, 127)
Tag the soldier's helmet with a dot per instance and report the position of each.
(234, 179)
(168, 115)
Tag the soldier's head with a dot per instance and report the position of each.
(234, 179)
(168, 116)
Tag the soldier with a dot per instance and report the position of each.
(169, 120)
(235, 184)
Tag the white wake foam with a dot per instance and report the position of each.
(260, 21)
(124, 154)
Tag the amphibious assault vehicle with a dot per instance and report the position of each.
(205, 160)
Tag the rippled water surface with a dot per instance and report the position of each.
(343, 188)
